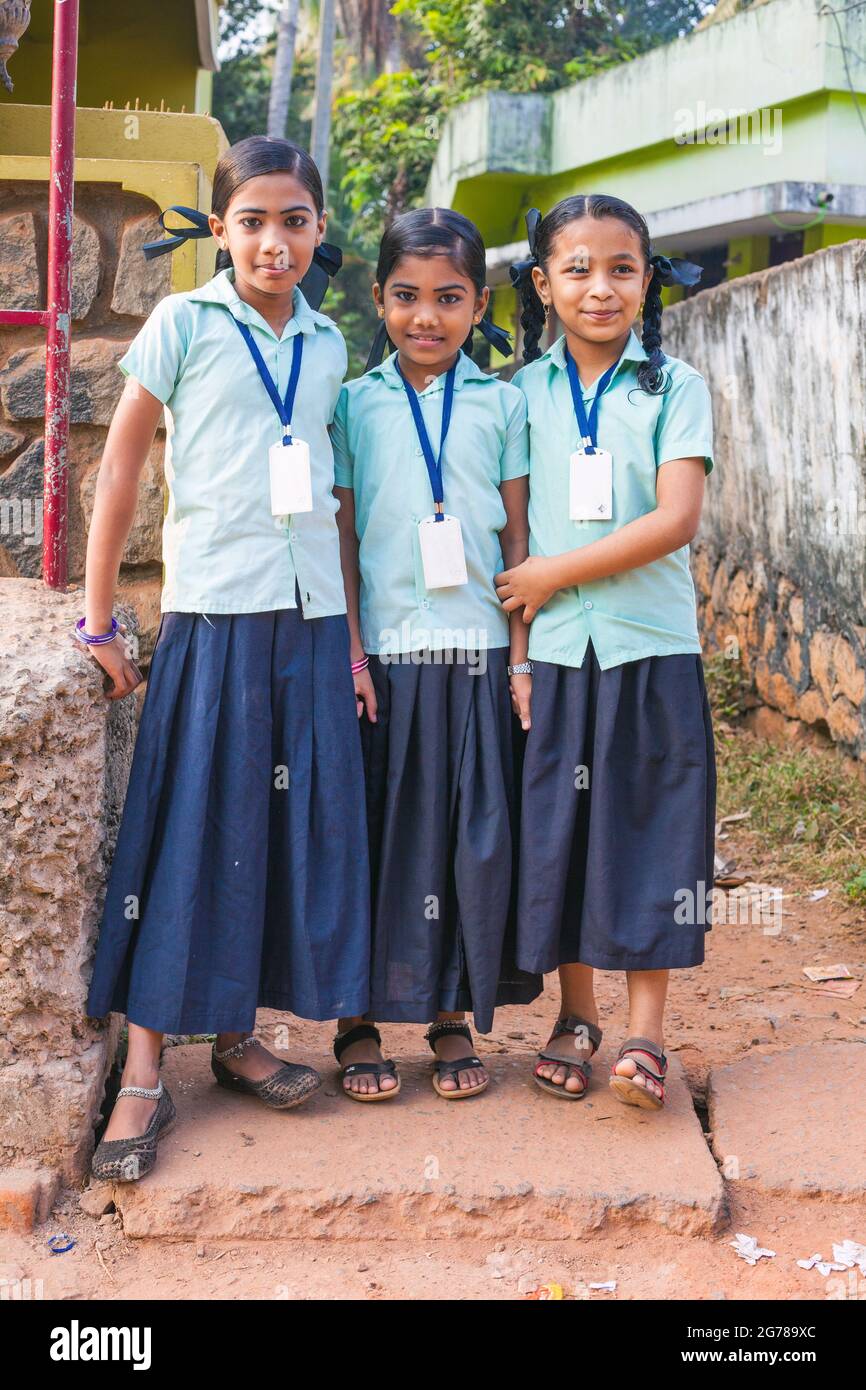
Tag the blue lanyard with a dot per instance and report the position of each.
(283, 408)
(588, 427)
(434, 465)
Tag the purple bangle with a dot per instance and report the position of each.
(99, 638)
(360, 665)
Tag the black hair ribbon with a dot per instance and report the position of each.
(521, 271)
(673, 270)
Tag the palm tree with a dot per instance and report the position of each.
(321, 136)
(284, 63)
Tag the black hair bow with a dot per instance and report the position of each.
(673, 270)
(178, 235)
(521, 271)
(498, 338)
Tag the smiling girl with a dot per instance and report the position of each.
(619, 779)
(431, 470)
(239, 878)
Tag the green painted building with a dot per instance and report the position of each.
(743, 144)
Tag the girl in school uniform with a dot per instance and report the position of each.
(619, 777)
(430, 467)
(240, 877)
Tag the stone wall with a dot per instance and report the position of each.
(780, 560)
(114, 289)
(64, 762)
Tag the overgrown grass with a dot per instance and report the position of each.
(808, 809)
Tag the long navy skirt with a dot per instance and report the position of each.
(615, 874)
(240, 877)
(442, 810)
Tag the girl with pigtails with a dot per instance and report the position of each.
(617, 820)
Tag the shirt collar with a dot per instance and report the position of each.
(632, 352)
(221, 290)
(467, 370)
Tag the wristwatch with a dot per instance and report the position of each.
(523, 668)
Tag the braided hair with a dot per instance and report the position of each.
(651, 378)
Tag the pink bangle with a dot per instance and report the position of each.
(360, 665)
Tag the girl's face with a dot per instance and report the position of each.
(429, 306)
(271, 227)
(596, 278)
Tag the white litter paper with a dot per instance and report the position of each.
(609, 1285)
(748, 1249)
(846, 1254)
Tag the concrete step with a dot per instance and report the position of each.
(793, 1121)
(513, 1162)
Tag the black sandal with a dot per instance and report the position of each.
(443, 1068)
(386, 1068)
(571, 1024)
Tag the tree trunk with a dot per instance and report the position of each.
(321, 139)
(284, 64)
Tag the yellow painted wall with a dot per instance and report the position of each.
(168, 158)
(127, 49)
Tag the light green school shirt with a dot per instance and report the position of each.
(377, 453)
(223, 550)
(649, 611)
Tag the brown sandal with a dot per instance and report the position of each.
(571, 1024)
(630, 1091)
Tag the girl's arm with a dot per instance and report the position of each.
(130, 437)
(673, 523)
(514, 540)
(365, 694)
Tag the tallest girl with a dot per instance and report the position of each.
(240, 876)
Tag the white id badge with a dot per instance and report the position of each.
(291, 481)
(590, 494)
(442, 553)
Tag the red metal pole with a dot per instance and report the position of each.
(60, 200)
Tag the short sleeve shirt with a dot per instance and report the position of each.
(378, 454)
(223, 550)
(648, 611)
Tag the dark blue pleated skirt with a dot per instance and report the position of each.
(441, 767)
(240, 877)
(616, 875)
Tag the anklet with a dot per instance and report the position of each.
(143, 1091)
(237, 1049)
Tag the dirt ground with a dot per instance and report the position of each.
(750, 995)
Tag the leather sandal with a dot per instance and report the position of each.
(442, 1068)
(285, 1088)
(127, 1160)
(575, 1025)
(388, 1067)
(630, 1091)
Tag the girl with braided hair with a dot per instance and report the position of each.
(617, 822)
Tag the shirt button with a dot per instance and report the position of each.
(587, 603)
(425, 603)
(419, 452)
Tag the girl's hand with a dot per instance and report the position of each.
(122, 673)
(521, 697)
(365, 694)
(527, 586)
